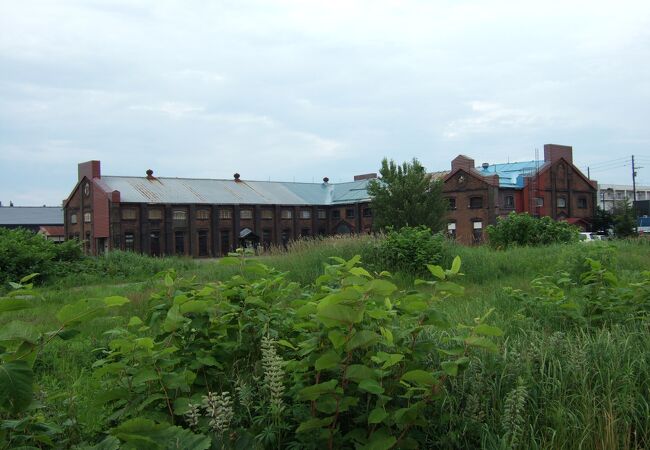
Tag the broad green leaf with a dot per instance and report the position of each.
(329, 360)
(14, 304)
(26, 278)
(360, 271)
(333, 315)
(481, 342)
(450, 368)
(380, 440)
(455, 266)
(414, 303)
(80, 311)
(169, 281)
(377, 415)
(487, 330)
(145, 342)
(116, 300)
(437, 318)
(285, 343)
(359, 372)
(135, 321)
(436, 271)
(108, 443)
(387, 335)
(194, 306)
(388, 359)
(312, 424)
(450, 288)
(380, 287)
(336, 338)
(362, 339)
(371, 386)
(16, 386)
(145, 434)
(315, 391)
(419, 377)
(18, 330)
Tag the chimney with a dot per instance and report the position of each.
(90, 170)
(236, 176)
(485, 166)
(365, 176)
(462, 162)
(553, 152)
(326, 180)
(150, 175)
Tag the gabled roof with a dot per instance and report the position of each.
(211, 191)
(31, 215)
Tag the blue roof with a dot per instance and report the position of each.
(511, 175)
(31, 215)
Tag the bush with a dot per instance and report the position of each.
(524, 229)
(22, 252)
(408, 250)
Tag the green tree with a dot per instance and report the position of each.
(526, 230)
(624, 220)
(406, 196)
(602, 220)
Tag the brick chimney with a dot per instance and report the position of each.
(462, 162)
(553, 152)
(90, 170)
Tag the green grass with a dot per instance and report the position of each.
(582, 388)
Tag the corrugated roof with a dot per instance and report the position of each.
(512, 174)
(210, 191)
(31, 215)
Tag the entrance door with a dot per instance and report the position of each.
(154, 243)
(203, 243)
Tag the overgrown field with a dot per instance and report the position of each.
(525, 348)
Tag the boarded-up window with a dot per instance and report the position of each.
(267, 214)
(246, 214)
(128, 214)
(73, 218)
(155, 214)
(582, 202)
(476, 202)
(202, 214)
(225, 214)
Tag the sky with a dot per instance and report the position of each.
(297, 90)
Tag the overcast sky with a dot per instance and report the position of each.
(299, 90)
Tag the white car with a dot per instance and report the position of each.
(590, 237)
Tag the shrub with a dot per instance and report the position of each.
(408, 250)
(524, 229)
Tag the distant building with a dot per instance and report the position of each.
(54, 233)
(609, 194)
(554, 187)
(207, 217)
(30, 217)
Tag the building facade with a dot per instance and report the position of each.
(554, 187)
(610, 194)
(206, 217)
(30, 217)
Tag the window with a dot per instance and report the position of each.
(477, 231)
(128, 214)
(287, 214)
(246, 214)
(225, 214)
(349, 213)
(305, 232)
(87, 217)
(561, 202)
(582, 202)
(451, 230)
(266, 236)
(367, 212)
(476, 202)
(539, 201)
(129, 242)
(202, 214)
(180, 215)
(179, 240)
(451, 203)
(267, 214)
(73, 218)
(305, 214)
(321, 214)
(509, 202)
(86, 189)
(155, 214)
(336, 214)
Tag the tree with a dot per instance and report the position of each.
(602, 221)
(526, 230)
(406, 196)
(624, 220)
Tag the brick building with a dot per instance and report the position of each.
(554, 187)
(206, 217)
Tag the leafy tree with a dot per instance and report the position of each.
(406, 196)
(624, 220)
(602, 220)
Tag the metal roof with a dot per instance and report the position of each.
(512, 174)
(31, 215)
(210, 191)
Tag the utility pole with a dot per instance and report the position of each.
(636, 218)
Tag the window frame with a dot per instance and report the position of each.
(286, 214)
(129, 214)
(202, 214)
(225, 214)
(246, 214)
(473, 202)
(88, 217)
